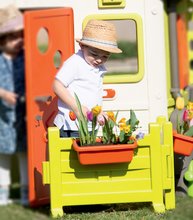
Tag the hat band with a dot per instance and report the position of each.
(100, 43)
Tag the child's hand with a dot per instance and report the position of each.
(10, 97)
(84, 111)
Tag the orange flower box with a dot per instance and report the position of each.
(104, 154)
(182, 144)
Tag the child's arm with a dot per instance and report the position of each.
(62, 92)
(9, 97)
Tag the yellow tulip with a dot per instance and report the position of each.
(190, 106)
(111, 116)
(96, 110)
(123, 120)
(180, 103)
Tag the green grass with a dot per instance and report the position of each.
(132, 211)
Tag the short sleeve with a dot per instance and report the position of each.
(68, 71)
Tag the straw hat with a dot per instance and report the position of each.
(11, 20)
(101, 35)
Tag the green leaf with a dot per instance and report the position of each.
(83, 123)
(189, 132)
(133, 121)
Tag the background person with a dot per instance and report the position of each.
(12, 105)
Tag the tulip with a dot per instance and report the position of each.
(96, 110)
(122, 124)
(185, 115)
(180, 103)
(190, 106)
(190, 114)
(111, 116)
(72, 115)
(101, 119)
(89, 115)
(191, 122)
(123, 120)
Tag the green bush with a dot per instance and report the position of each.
(129, 50)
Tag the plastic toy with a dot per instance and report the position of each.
(189, 177)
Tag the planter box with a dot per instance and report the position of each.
(182, 144)
(104, 154)
(149, 177)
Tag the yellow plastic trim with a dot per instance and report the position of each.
(124, 77)
(111, 3)
(46, 172)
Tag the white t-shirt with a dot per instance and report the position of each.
(84, 80)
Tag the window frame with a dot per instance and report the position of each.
(124, 77)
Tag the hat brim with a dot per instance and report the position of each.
(104, 48)
(3, 33)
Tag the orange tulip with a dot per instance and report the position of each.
(72, 115)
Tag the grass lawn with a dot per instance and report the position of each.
(132, 211)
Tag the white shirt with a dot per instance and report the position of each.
(81, 78)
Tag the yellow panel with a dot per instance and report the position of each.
(113, 176)
(111, 3)
(137, 163)
(107, 186)
(46, 172)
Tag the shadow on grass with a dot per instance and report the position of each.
(105, 208)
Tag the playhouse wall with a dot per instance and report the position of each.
(148, 96)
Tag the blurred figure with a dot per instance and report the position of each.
(12, 103)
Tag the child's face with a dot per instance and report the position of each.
(94, 56)
(12, 43)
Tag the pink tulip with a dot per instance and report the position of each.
(191, 122)
(185, 116)
(89, 115)
(100, 119)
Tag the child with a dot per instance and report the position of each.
(83, 74)
(12, 106)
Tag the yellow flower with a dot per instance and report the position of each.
(190, 106)
(122, 124)
(122, 121)
(190, 115)
(127, 129)
(96, 110)
(179, 102)
(121, 127)
(111, 116)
